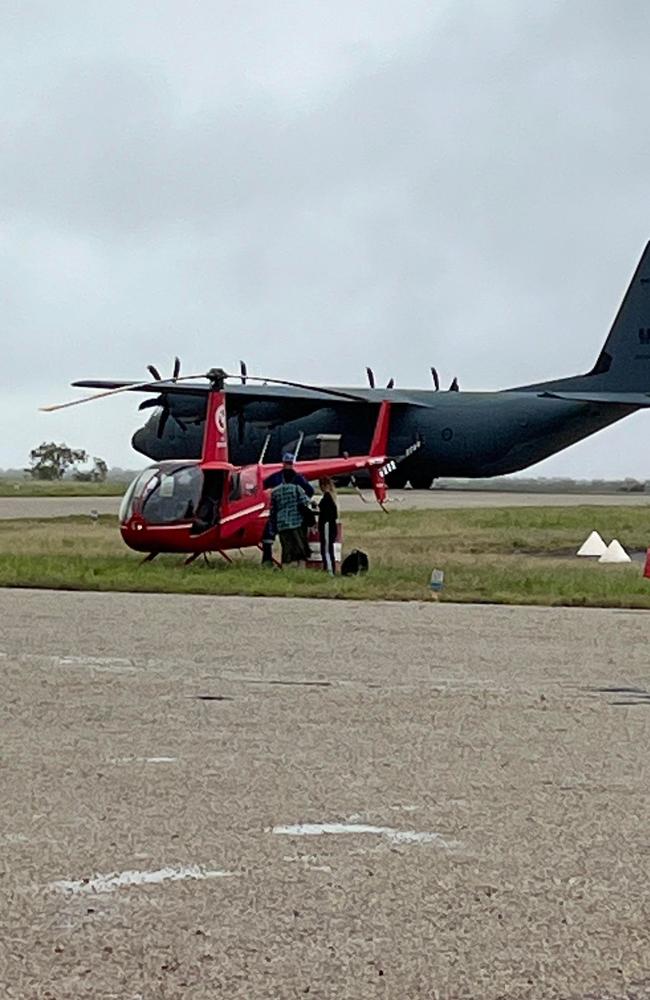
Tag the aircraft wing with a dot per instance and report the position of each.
(638, 399)
(247, 393)
(243, 394)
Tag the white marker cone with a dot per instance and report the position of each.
(615, 553)
(593, 546)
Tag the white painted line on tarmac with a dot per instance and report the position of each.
(119, 880)
(110, 664)
(394, 836)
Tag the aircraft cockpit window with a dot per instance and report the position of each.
(248, 480)
(163, 496)
(137, 490)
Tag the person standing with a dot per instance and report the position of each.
(288, 500)
(328, 514)
(276, 479)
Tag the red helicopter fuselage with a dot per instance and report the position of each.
(195, 507)
(210, 505)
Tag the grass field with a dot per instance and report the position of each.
(513, 556)
(66, 488)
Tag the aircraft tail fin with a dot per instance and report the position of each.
(378, 447)
(623, 365)
(379, 442)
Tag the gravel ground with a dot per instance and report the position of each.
(12, 507)
(476, 780)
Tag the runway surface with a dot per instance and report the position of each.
(245, 798)
(38, 507)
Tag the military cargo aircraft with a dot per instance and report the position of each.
(466, 434)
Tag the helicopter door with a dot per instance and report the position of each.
(208, 511)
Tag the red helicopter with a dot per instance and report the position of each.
(210, 505)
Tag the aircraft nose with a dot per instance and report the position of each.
(144, 442)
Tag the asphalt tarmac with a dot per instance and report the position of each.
(240, 798)
(39, 507)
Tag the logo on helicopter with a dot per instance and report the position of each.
(220, 419)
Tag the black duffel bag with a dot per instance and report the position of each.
(355, 562)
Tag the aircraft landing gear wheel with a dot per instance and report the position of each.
(421, 480)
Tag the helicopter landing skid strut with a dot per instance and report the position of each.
(206, 557)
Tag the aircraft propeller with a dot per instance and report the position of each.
(162, 400)
(371, 380)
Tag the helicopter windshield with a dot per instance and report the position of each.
(163, 494)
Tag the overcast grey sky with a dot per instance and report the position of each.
(315, 187)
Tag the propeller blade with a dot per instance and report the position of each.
(162, 423)
(371, 377)
(436, 380)
(155, 374)
(390, 384)
(454, 385)
(149, 404)
(244, 371)
(177, 368)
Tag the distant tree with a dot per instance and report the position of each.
(52, 461)
(97, 474)
(630, 485)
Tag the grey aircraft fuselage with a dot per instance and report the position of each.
(468, 434)
(465, 434)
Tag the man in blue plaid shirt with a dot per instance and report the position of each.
(276, 479)
(288, 500)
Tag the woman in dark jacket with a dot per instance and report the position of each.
(327, 517)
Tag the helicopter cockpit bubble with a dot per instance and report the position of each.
(165, 493)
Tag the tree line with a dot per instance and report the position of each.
(51, 461)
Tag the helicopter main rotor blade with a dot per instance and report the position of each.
(162, 384)
(133, 386)
(310, 388)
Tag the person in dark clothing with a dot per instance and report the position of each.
(268, 539)
(288, 501)
(277, 477)
(327, 517)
